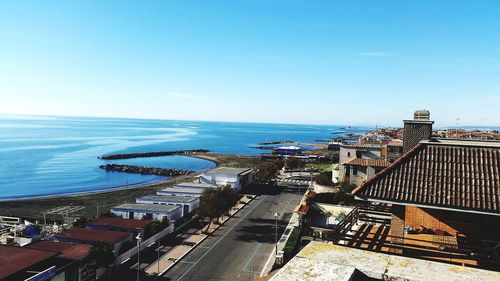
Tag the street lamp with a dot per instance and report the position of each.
(139, 238)
(276, 215)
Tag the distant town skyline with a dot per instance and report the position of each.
(296, 62)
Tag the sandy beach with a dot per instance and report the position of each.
(31, 208)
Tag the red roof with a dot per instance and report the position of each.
(15, 259)
(94, 235)
(310, 193)
(368, 162)
(303, 209)
(118, 222)
(66, 250)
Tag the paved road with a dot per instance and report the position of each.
(239, 249)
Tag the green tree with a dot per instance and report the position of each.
(268, 170)
(294, 163)
(102, 254)
(208, 205)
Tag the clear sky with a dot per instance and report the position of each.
(320, 62)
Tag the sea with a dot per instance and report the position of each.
(52, 155)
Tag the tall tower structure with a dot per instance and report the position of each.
(416, 130)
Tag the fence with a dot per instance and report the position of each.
(144, 244)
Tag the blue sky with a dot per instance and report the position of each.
(319, 62)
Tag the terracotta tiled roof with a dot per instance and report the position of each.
(443, 174)
(361, 146)
(66, 250)
(368, 162)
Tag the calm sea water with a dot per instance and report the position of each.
(55, 155)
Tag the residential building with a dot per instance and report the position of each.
(237, 178)
(359, 170)
(394, 150)
(359, 162)
(148, 211)
(187, 203)
(440, 201)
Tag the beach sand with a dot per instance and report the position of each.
(32, 209)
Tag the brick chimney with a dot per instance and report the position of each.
(416, 130)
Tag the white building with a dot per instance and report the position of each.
(147, 211)
(359, 162)
(187, 203)
(234, 177)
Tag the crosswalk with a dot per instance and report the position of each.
(295, 181)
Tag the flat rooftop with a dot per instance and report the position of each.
(188, 190)
(153, 208)
(195, 185)
(93, 235)
(228, 171)
(66, 250)
(118, 222)
(323, 261)
(168, 198)
(16, 259)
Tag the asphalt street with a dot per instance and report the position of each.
(239, 249)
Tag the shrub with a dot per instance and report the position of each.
(292, 244)
(324, 178)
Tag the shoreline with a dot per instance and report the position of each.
(114, 188)
(104, 199)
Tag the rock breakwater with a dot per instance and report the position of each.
(152, 154)
(169, 172)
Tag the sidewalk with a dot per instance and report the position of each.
(294, 221)
(175, 254)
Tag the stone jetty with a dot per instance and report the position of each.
(169, 172)
(151, 154)
(276, 142)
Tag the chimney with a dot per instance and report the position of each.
(416, 130)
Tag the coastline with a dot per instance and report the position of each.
(31, 207)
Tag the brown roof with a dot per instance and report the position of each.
(118, 222)
(368, 162)
(361, 146)
(66, 250)
(15, 259)
(93, 235)
(441, 174)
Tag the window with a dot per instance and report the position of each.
(354, 170)
(359, 154)
(348, 154)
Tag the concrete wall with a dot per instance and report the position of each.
(173, 216)
(191, 206)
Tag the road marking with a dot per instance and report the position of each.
(221, 238)
(190, 262)
(250, 259)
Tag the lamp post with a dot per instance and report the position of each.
(139, 238)
(158, 260)
(276, 232)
